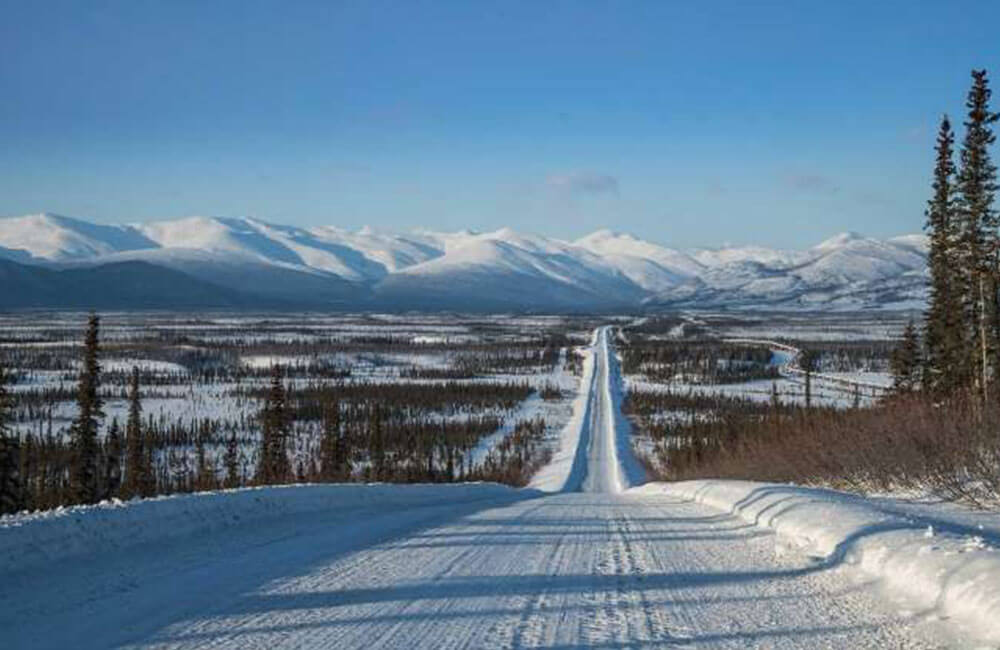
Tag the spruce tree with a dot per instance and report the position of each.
(946, 363)
(152, 479)
(10, 456)
(136, 470)
(334, 464)
(377, 444)
(977, 232)
(231, 461)
(274, 466)
(904, 363)
(808, 360)
(83, 483)
(113, 460)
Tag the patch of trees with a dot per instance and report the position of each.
(316, 431)
(704, 361)
(958, 351)
(516, 458)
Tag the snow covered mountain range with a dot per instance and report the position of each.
(48, 260)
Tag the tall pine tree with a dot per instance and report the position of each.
(232, 462)
(946, 363)
(113, 460)
(84, 477)
(376, 444)
(977, 233)
(905, 361)
(274, 467)
(808, 362)
(138, 475)
(335, 463)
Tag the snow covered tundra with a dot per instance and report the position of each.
(589, 554)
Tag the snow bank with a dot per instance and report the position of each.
(629, 472)
(955, 573)
(568, 463)
(33, 539)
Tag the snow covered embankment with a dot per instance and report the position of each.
(951, 574)
(567, 461)
(31, 540)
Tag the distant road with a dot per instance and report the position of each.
(790, 369)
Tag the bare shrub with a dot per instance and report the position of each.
(951, 448)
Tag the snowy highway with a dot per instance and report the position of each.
(590, 565)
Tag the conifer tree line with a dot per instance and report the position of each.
(367, 432)
(959, 350)
(10, 490)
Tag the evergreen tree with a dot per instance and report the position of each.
(946, 362)
(377, 444)
(83, 483)
(335, 464)
(977, 232)
(10, 456)
(152, 479)
(904, 362)
(137, 478)
(808, 361)
(113, 460)
(274, 467)
(232, 462)
(31, 498)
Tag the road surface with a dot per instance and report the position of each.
(592, 566)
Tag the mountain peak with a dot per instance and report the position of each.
(839, 240)
(607, 233)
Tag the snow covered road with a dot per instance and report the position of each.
(567, 571)
(591, 566)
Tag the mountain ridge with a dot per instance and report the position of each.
(332, 267)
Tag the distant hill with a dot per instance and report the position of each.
(118, 285)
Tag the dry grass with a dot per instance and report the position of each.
(951, 449)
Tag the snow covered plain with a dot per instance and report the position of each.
(305, 344)
(784, 335)
(600, 562)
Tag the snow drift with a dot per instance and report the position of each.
(954, 572)
(31, 540)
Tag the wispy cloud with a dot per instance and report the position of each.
(812, 183)
(583, 183)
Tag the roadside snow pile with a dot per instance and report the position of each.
(951, 569)
(30, 540)
(568, 464)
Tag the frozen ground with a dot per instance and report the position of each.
(601, 562)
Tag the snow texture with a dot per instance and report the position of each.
(936, 564)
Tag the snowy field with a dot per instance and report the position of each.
(838, 382)
(203, 368)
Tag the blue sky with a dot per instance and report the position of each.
(688, 123)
